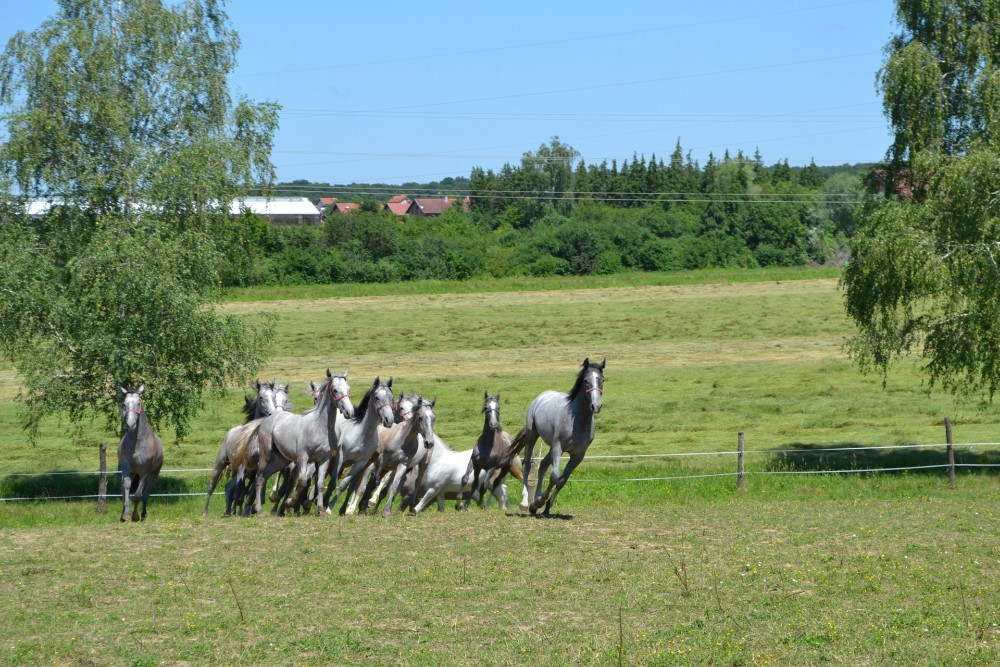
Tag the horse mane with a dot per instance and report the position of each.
(577, 386)
(362, 408)
(250, 407)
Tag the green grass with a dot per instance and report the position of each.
(744, 580)
(874, 568)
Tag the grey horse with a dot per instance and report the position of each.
(565, 422)
(404, 446)
(358, 439)
(140, 454)
(286, 437)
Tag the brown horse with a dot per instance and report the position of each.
(140, 454)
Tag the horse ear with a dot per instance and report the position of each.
(142, 388)
(328, 373)
(122, 390)
(287, 385)
(389, 383)
(586, 362)
(377, 381)
(498, 397)
(346, 371)
(256, 384)
(486, 395)
(603, 361)
(433, 401)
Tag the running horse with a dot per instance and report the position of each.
(565, 422)
(140, 454)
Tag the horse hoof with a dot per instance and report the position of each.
(533, 509)
(522, 508)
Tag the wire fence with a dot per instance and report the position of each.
(740, 473)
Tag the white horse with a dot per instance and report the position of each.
(443, 475)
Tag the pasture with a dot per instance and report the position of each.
(799, 569)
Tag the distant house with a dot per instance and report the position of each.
(399, 199)
(345, 207)
(400, 208)
(435, 206)
(326, 201)
(280, 210)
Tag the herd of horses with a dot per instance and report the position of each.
(370, 453)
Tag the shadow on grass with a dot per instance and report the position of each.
(71, 486)
(811, 457)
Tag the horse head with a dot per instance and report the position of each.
(425, 420)
(404, 407)
(281, 401)
(491, 408)
(381, 394)
(592, 376)
(131, 406)
(340, 392)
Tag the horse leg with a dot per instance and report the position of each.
(429, 496)
(377, 495)
(571, 465)
(471, 471)
(126, 489)
(359, 489)
(397, 479)
(279, 483)
(148, 483)
(475, 483)
(499, 491)
(349, 481)
(529, 447)
(216, 474)
(542, 467)
(137, 482)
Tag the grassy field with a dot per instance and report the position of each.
(890, 568)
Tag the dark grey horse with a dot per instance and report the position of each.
(492, 451)
(140, 454)
(566, 423)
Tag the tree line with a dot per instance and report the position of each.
(556, 214)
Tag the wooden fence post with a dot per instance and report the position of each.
(739, 462)
(102, 485)
(951, 452)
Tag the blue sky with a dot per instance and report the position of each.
(400, 91)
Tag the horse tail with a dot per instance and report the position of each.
(243, 450)
(517, 444)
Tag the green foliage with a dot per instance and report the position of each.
(924, 277)
(941, 78)
(119, 114)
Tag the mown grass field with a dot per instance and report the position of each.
(891, 568)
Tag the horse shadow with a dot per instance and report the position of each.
(78, 486)
(552, 516)
(814, 457)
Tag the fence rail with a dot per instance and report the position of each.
(740, 472)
